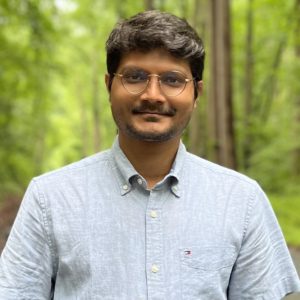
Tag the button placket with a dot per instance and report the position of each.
(154, 246)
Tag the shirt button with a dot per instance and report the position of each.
(125, 187)
(153, 214)
(174, 188)
(154, 269)
(140, 181)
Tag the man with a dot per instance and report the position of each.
(146, 219)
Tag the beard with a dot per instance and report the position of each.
(167, 134)
(151, 136)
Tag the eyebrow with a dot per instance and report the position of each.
(135, 68)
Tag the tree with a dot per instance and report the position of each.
(221, 108)
(149, 4)
(197, 131)
(27, 64)
(297, 94)
(248, 106)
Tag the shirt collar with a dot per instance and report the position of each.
(125, 170)
(176, 171)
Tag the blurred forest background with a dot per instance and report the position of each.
(54, 107)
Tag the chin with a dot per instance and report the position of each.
(150, 136)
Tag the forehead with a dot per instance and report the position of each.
(154, 61)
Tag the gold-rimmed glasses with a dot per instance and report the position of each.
(135, 81)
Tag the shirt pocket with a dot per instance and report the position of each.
(205, 271)
(74, 271)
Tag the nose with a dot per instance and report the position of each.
(153, 90)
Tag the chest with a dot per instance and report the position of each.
(151, 245)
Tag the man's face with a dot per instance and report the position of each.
(151, 115)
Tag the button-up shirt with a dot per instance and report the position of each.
(92, 230)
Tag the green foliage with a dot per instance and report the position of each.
(287, 209)
(27, 63)
(53, 96)
(272, 135)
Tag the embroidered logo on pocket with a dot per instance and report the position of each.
(188, 252)
(208, 258)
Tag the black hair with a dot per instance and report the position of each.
(151, 30)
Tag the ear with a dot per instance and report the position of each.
(107, 79)
(200, 87)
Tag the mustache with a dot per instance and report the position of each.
(147, 107)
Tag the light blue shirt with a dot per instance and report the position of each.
(92, 230)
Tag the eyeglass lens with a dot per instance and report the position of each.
(136, 81)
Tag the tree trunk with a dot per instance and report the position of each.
(297, 102)
(247, 137)
(96, 100)
(83, 119)
(271, 82)
(149, 4)
(198, 126)
(221, 95)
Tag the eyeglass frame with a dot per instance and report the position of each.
(121, 76)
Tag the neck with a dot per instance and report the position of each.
(153, 160)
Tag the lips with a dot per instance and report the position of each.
(152, 109)
(151, 113)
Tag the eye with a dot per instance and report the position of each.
(135, 76)
(172, 79)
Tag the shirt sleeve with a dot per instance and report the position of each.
(26, 261)
(264, 268)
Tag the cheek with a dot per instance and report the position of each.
(117, 92)
(186, 107)
(186, 103)
(120, 106)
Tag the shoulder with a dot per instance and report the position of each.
(96, 163)
(70, 186)
(204, 168)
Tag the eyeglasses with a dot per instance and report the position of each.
(135, 81)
